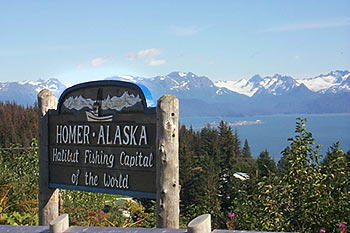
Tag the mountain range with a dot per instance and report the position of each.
(199, 96)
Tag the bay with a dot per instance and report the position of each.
(271, 132)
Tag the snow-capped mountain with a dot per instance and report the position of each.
(275, 85)
(25, 93)
(181, 84)
(259, 95)
(334, 82)
(199, 96)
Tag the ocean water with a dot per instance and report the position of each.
(272, 132)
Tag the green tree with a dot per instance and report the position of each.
(283, 163)
(228, 159)
(336, 182)
(237, 144)
(246, 150)
(18, 124)
(211, 200)
(201, 191)
(187, 172)
(266, 165)
(306, 197)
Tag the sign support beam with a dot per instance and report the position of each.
(168, 187)
(48, 198)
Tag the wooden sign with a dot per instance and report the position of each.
(102, 138)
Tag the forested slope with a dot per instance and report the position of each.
(309, 190)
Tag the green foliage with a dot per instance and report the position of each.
(229, 147)
(307, 197)
(16, 218)
(303, 194)
(19, 185)
(246, 150)
(19, 197)
(336, 181)
(96, 209)
(208, 161)
(18, 124)
(266, 165)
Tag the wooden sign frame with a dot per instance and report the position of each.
(102, 138)
(86, 115)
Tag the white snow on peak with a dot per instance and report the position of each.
(219, 91)
(53, 87)
(38, 89)
(182, 74)
(183, 84)
(318, 83)
(250, 87)
(267, 82)
(242, 86)
(128, 78)
(41, 84)
(322, 83)
(30, 83)
(333, 82)
(180, 85)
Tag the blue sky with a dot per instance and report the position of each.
(77, 41)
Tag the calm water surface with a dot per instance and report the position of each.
(272, 132)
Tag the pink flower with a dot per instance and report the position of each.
(138, 219)
(231, 215)
(323, 230)
(341, 225)
(101, 212)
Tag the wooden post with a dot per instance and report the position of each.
(167, 149)
(48, 198)
(59, 224)
(201, 224)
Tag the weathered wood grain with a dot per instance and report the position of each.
(168, 189)
(48, 198)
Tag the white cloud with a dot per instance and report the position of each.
(98, 61)
(147, 55)
(156, 62)
(321, 24)
(297, 57)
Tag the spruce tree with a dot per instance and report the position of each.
(202, 189)
(228, 159)
(266, 165)
(246, 150)
(237, 144)
(186, 162)
(210, 199)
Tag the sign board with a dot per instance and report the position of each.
(102, 138)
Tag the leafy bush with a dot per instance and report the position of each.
(307, 197)
(96, 209)
(19, 196)
(19, 185)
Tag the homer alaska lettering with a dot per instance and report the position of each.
(103, 151)
(134, 135)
